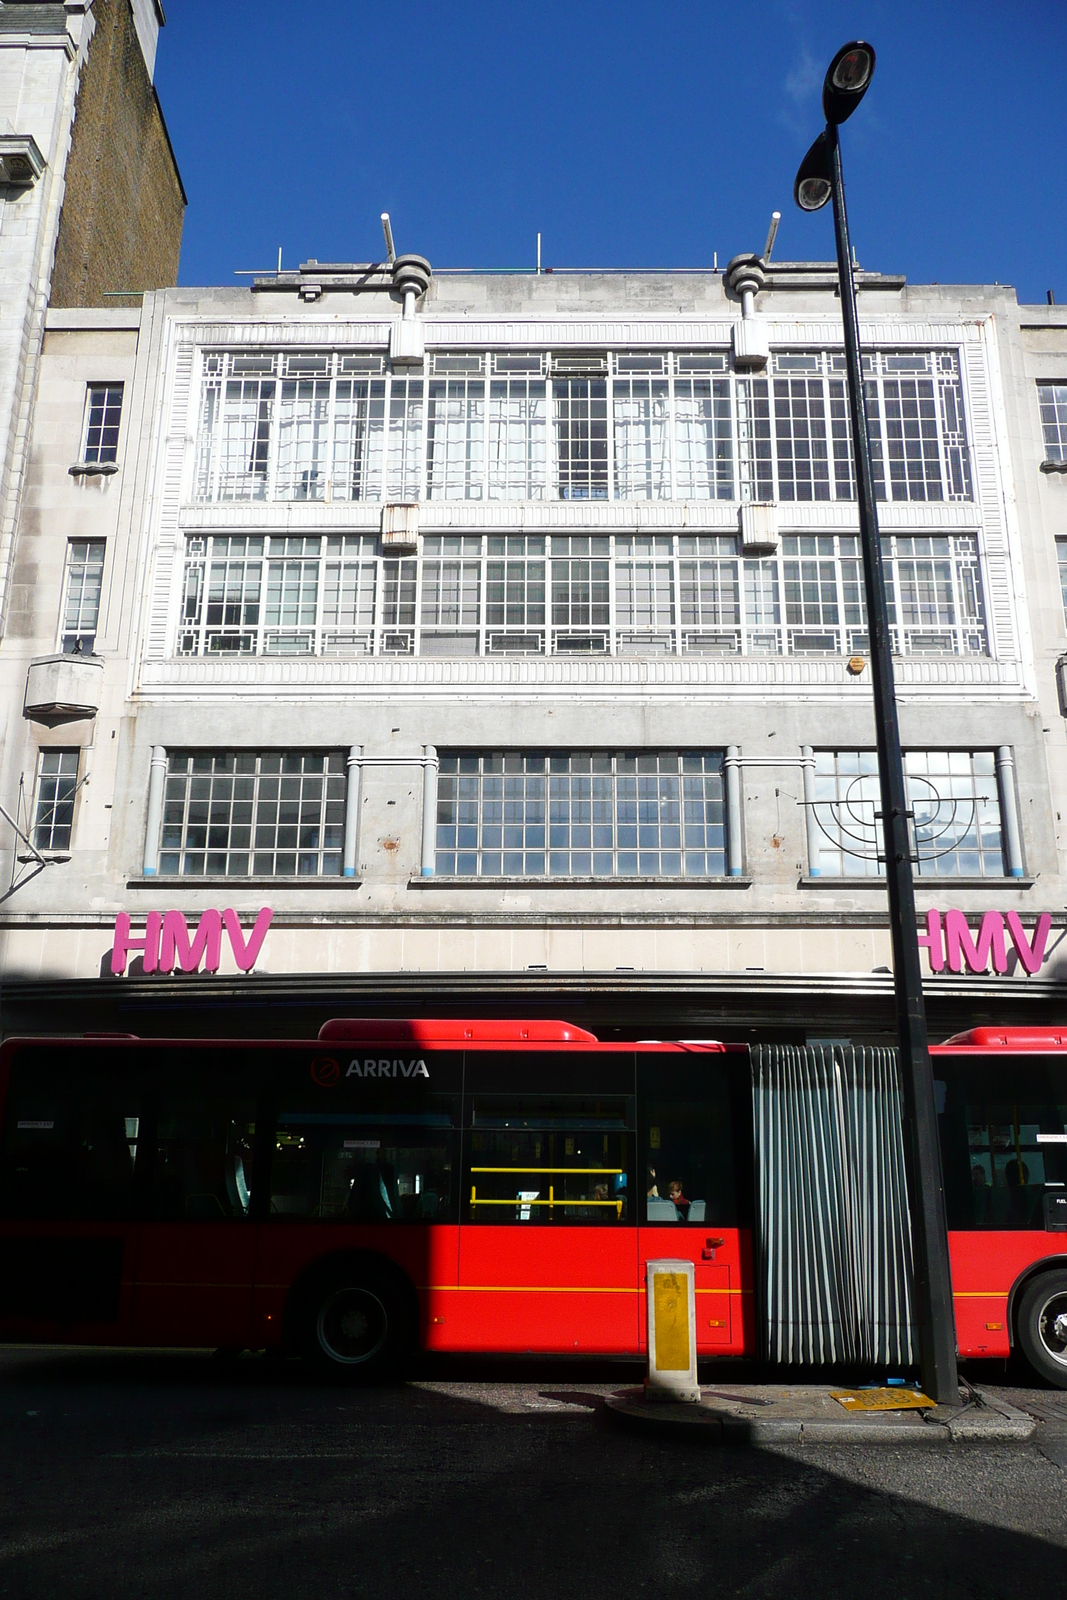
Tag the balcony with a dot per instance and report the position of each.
(63, 688)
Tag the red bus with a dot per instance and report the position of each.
(466, 1186)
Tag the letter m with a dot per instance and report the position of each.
(960, 947)
(206, 945)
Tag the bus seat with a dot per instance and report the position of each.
(661, 1210)
(697, 1209)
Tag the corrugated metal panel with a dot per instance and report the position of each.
(833, 1229)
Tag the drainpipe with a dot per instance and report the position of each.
(157, 777)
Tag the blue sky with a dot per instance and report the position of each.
(630, 135)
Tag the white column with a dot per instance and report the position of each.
(734, 853)
(429, 810)
(354, 769)
(157, 778)
(1009, 811)
(808, 758)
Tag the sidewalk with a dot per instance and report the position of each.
(805, 1413)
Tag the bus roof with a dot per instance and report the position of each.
(1001, 1039)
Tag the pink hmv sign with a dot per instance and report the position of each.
(166, 941)
(949, 941)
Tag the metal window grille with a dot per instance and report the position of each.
(1052, 398)
(403, 466)
(515, 611)
(57, 784)
(455, 438)
(703, 439)
(953, 794)
(581, 814)
(303, 439)
(451, 595)
(572, 594)
(103, 413)
(626, 425)
(641, 410)
(581, 437)
(238, 814)
(81, 594)
(518, 438)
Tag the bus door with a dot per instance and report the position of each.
(68, 1230)
(196, 1247)
(695, 1181)
(548, 1247)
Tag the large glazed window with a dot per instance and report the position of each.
(572, 594)
(625, 425)
(587, 814)
(363, 1167)
(238, 813)
(953, 794)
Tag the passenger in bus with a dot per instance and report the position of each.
(677, 1196)
(653, 1191)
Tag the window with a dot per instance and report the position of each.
(915, 412)
(513, 814)
(956, 830)
(103, 411)
(1061, 561)
(455, 439)
(203, 1157)
(235, 814)
(549, 1161)
(83, 582)
(691, 1124)
(57, 785)
(573, 594)
(70, 1140)
(1052, 398)
(581, 437)
(1003, 1142)
(363, 1166)
(625, 425)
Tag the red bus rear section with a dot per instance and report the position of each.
(466, 1186)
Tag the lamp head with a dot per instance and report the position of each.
(813, 186)
(847, 79)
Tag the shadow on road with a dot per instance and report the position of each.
(170, 1476)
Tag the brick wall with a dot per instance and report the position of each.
(121, 224)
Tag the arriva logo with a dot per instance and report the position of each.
(387, 1069)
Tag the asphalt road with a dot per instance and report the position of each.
(156, 1475)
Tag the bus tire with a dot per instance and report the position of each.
(1042, 1325)
(357, 1326)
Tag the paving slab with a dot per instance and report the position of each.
(807, 1413)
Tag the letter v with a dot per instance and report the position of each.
(245, 954)
(1031, 955)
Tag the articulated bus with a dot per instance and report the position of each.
(472, 1186)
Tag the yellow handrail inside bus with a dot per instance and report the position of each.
(550, 1202)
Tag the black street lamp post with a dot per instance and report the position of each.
(818, 181)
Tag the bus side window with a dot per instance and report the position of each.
(549, 1160)
(1004, 1145)
(687, 1139)
(203, 1160)
(69, 1144)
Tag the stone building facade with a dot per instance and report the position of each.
(91, 197)
(502, 636)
